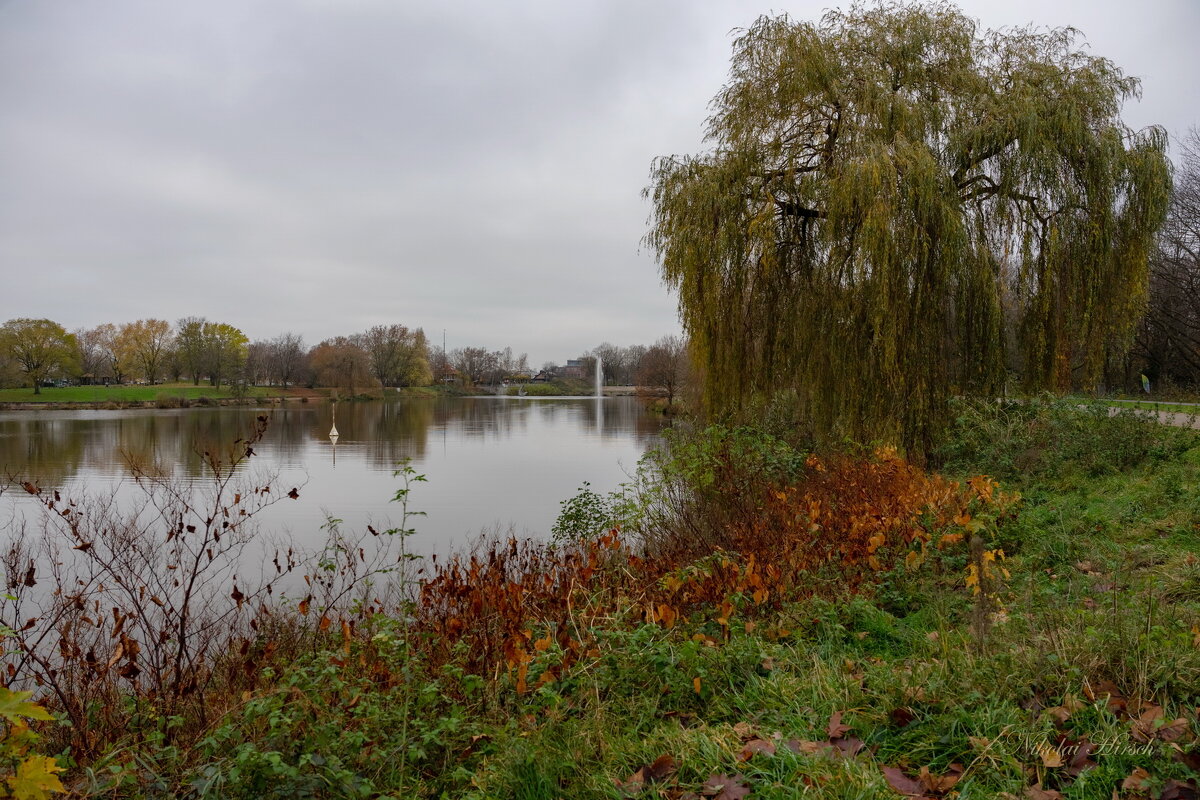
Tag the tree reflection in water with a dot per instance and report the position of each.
(490, 461)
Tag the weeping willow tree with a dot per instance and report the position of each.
(896, 206)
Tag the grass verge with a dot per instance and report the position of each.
(124, 394)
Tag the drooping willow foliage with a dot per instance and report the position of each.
(896, 206)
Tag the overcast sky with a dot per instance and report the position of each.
(327, 165)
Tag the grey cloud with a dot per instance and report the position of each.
(325, 166)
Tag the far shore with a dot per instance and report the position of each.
(191, 396)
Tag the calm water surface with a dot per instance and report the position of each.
(491, 463)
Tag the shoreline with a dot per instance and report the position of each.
(117, 405)
(303, 396)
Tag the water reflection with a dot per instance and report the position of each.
(490, 461)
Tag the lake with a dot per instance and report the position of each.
(492, 464)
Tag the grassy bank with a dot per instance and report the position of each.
(173, 395)
(767, 623)
(565, 387)
(127, 394)
(441, 390)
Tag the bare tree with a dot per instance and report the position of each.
(287, 358)
(664, 366)
(1168, 340)
(257, 368)
(474, 364)
(113, 349)
(90, 356)
(612, 360)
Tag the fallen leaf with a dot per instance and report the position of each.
(917, 693)
(1143, 728)
(1192, 759)
(661, 768)
(725, 787)
(811, 748)
(902, 716)
(1059, 714)
(631, 785)
(756, 746)
(902, 783)
(1079, 751)
(1072, 703)
(1179, 790)
(1172, 730)
(940, 784)
(849, 746)
(836, 729)
(1033, 704)
(1094, 691)
(1138, 780)
(1050, 756)
(1036, 792)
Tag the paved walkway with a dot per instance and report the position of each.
(1180, 419)
(1176, 418)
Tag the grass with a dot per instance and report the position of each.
(1088, 643)
(563, 387)
(437, 390)
(1155, 405)
(122, 394)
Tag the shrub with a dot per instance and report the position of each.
(700, 481)
(168, 400)
(584, 515)
(1051, 437)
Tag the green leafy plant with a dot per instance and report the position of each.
(27, 775)
(584, 515)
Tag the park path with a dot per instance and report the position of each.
(1176, 418)
(1179, 419)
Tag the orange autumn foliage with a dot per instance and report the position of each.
(846, 522)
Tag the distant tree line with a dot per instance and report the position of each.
(664, 365)
(37, 351)
(34, 352)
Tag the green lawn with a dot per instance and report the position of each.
(119, 394)
(1151, 405)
